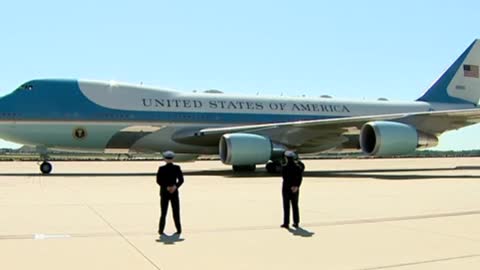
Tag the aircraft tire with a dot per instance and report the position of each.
(273, 167)
(244, 168)
(46, 167)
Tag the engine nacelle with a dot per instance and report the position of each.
(245, 149)
(383, 138)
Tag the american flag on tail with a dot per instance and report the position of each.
(471, 71)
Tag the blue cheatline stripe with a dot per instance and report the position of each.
(438, 91)
(62, 100)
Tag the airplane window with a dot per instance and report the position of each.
(26, 86)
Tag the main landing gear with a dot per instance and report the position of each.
(276, 167)
(244, 168)
(273, 167)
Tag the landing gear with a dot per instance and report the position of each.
(244, 168)
(273, 167)
(46, 167)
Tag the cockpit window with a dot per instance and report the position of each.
(26, 86)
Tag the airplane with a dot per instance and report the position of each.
(107, 116)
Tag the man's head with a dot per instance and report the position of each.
(290, 155)
(168, 156)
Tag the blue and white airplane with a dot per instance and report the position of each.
(243, 130)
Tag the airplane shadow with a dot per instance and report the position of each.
(381, 174)
(169, 239)
(389, 176)
(301, 232)
(53, 174)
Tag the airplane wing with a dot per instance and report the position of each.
(328, 133)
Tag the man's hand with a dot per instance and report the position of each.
(294, 189)
(172, 189)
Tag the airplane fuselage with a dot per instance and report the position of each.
(95, 116)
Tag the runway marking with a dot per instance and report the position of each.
(350, 222)
(124, 237)
(421, 262)
(246, 228)
(41, 236)
(389, 219)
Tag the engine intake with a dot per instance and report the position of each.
(246, 149)
(384, 138)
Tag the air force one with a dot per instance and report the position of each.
(243, 130)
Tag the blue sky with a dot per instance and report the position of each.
(348, 49)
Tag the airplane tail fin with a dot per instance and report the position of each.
(460, 84)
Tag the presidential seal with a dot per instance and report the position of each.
(79, 133)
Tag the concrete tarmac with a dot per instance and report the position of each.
(355, 214)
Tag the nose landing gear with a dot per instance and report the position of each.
(45, 167)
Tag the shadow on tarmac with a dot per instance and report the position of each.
(301, 232)
(169, 239)
(382, 174)
(87, 174)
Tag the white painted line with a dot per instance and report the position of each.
(41, 236)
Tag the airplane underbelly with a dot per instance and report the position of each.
(161, 140)
(98, 137)
(74, 136)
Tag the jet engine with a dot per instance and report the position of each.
(384, 138)
(246, 149)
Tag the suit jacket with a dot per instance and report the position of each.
(292, 175)
(169, 175)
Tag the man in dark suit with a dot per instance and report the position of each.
(169, 178)
(292, 174)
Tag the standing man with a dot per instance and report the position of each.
(292, 179)
(169, 178)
